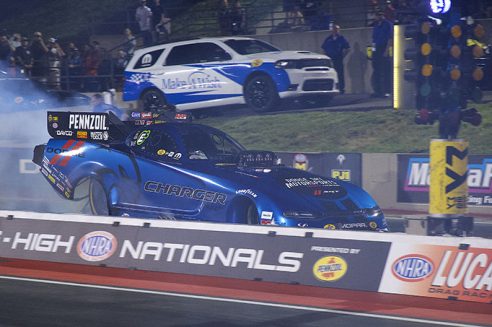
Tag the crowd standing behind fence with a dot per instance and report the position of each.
(87, 67)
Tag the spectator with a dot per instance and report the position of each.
(389, 11)
(143, 15)
(224, 17)
(336, 47)
(23, 57)
(163, 28)
(237, 16)
(55, 55)
(309, 9)
(15, 41)
(98, 105)
(74, 65)
(39, 52)
(382, 41)
(157, 12)
(5, 52)
(131, 43)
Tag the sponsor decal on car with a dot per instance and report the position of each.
(143, 136)
(63, 133)
(330, 226)
(81, 134)
(330, 268)
(247, 192)
(309, 181)
(97, 246)
(256, 63)
(88, 122)
(185, 192)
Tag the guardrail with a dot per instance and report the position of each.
(437, 267)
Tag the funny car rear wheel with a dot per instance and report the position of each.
(252, 215)
(98, 200)
(153, 100)
(260, 93)
(90, 197)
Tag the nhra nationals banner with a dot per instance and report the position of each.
(324, 262)
(449, 272)
(343, 166)
(414, 172)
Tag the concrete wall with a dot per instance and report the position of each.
(358, 68)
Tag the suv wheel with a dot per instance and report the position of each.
(260, 93)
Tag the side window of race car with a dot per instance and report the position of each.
(196, 53)
(156, 144)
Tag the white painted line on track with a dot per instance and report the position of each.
(210, 298)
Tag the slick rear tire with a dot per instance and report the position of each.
(91, 198)
(252, 217)
(260, 93)
(153, 100)
(98, 199)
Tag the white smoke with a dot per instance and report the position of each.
(22, 187)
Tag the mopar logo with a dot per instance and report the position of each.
(412, 268)
(96, 246)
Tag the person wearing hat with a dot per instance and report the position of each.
(23, 57)
(382, 41)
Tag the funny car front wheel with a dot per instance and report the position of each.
(153, 100)
(260, 93)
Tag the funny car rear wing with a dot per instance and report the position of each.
(91, 126)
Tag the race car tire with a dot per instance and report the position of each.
(98, 200)
(252, 217)
(260, 93)
(153, 100)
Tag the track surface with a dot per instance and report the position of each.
(32, 295)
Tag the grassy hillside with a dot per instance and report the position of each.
(374, 131)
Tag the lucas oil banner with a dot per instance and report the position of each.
(414, 179)
(449, 272)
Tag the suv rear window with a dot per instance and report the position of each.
(196, 53)
(148, 59)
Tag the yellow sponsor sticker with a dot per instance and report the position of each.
(256, 63)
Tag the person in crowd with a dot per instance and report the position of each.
(39, 52)
(5, 52)
(74, 65)
(98, 105)
(163, 28)
(310, 11)
(382, 42)
(143, 16)
(159, 20)
(336, 47)
(131, 42)
(23, 57)
(55, 56)
(237, 18)
(224, 17)
(15, 40)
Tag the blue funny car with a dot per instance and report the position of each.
(152, 167)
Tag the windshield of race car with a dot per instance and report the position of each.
(246, 47)
(207, 144)
(197, 143)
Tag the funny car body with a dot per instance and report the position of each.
(150, 168)
(211, 72)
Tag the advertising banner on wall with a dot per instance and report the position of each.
(449, 272)
(344, 166)
(414, 179)
(324, 262)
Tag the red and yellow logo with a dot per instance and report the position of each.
(330, 269)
